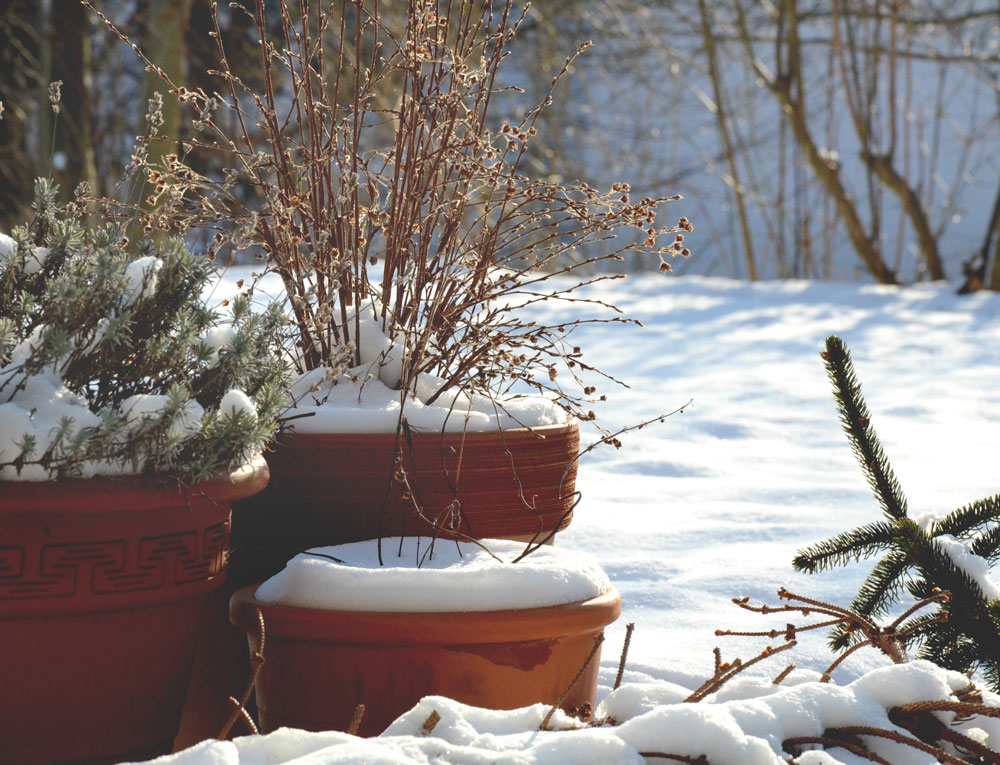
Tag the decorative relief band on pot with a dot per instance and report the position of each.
(113, 566)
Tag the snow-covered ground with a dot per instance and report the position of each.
(713, 503)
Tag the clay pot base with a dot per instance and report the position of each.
(319, 665)
(102, 588)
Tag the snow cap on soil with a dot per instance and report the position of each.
(360, 401)
(367, 398)
(457, 577)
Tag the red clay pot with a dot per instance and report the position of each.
(319, 665)
(102, 585)
(330, 489)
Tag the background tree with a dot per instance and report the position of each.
(852, 139)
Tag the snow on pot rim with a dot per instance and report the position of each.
(359, 401)
(459, 577)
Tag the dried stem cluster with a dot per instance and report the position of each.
(383, 186)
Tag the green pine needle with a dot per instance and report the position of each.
(915, 560)
(856, 420)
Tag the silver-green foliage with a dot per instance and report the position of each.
(90, 313)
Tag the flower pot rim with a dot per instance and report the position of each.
(539, 431)
(425, 627)
(32, 496)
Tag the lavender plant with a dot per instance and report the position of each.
(384, 191)
(111, 362)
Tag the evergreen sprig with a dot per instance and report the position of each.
(915, 557)
(112, 324)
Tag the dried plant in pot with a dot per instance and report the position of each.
(131, 416)
(412, 245)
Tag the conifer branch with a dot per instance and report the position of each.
(965, 632)
(849, 546)
(856, 420)
(987, 545)
(965, 519)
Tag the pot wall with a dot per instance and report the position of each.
(331, 488)
(318, 665)
(102, 586)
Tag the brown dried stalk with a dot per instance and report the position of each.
(915, 717)
(726, 671)
(792, 746)
(256, 664)
(629, 628)
(371, 144)
(356, 718)
(783, 674)
(865, 730)
(590, 657)
(890, 640)
(430, 723)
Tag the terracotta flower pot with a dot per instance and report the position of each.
(328, 489)
(319, 665)
(334, 488)
(102, 585)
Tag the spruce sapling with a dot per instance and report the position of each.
(920, 558)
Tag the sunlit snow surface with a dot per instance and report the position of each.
(713, 503)
(415, 575)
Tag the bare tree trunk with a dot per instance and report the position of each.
(881, 165)
(727, 144)
(21, 67)
(69, 43)
(789, 75)
(860, 83)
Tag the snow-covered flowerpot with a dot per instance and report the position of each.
(462, 625)
(102, 586)
(333, 488)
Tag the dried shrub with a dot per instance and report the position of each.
(381, 183)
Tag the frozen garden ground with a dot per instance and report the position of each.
(714, 502)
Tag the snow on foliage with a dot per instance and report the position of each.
(111, 361)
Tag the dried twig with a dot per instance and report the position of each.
(629, 628)
(699, 760)
(792, 744)
(890, 640)
(783, 674)
(256, 664)
(356, 718)
(590, 657)
(726, 671)
(430, 723)
(890, 735)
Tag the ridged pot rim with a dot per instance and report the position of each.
(540, 432)
(425, 627)
(110, 493)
